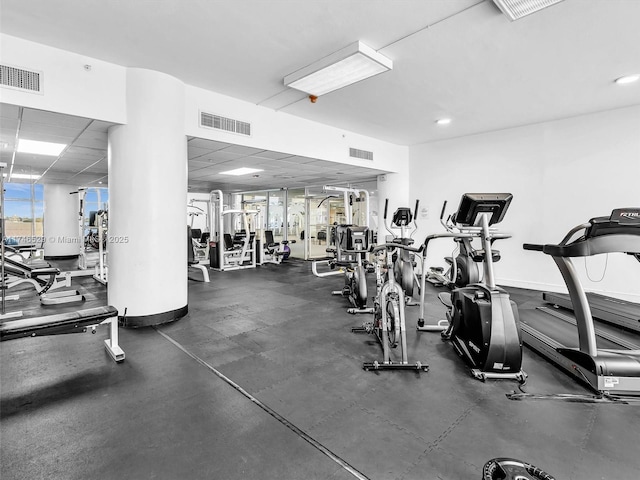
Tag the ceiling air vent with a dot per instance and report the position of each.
(20, 79)
(209, 120)
(363, 154)
(515, 9)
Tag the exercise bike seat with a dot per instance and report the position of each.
(445, 298)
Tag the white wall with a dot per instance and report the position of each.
(100, 93)
(281, 132)
(561, 174)
(67, 87)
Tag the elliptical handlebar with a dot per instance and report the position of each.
(391, 246)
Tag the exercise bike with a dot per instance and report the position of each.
(403, 259)
(462, 268)
(388, 322)
(484, 325)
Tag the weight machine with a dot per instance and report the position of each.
(231, 252)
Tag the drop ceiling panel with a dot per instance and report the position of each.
(35, 161)
(196, 152)
(49, 118)
(211, 145)
(54, 132)
(89, 153)
(9, 111)
(272, 155)
(99, 126)
(8, 125)
(224, 156)
(241, 150)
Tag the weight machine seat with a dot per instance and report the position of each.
(45, 276)
(228, 242)
(270, 243)
(53, 324)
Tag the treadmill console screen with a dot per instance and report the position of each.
(623, 221)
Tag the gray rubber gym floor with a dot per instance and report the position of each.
(263, 380)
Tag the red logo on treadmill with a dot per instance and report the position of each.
(630, 214)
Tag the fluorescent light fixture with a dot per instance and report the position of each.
(628, 79)
(40, 148)
(23, 176)
(515, 9)
(241, 171)
(443, 121)
(344, 67)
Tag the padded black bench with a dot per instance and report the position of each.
(62, 323)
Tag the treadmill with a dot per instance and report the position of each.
(605, 369)
(608, 309)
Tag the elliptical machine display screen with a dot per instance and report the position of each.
(474, 204)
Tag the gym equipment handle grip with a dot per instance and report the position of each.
(444, 206)
(386, 204)
(415, 212)
(533, 246)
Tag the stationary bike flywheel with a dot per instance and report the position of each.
(393, 325)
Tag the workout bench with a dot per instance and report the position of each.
(62, 323)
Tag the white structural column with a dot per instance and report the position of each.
(147, 203)
(61, 227)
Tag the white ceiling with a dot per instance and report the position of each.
(457, 58)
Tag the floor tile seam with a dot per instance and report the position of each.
(303, 435)
(298, 374)
(230, 337)
(447, 431)
(397, 426)
(335, 414)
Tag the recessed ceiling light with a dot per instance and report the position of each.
(443, 121)
(628, 79)
(40, 148)
(241, 171)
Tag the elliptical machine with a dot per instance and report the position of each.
(352, 246)
(462, 269)
(484, 326)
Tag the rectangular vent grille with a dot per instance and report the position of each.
(363, 154)
(222, 123)
(19, 78)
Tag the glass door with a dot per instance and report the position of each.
(324, 212)
(296, 221)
